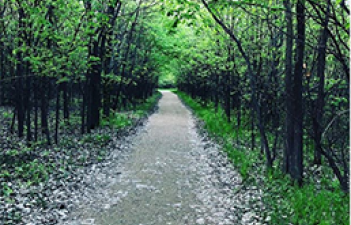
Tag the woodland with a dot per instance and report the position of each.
(270, 79)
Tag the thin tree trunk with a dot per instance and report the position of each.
(36, 111)
(253, 82)
(57, 119)
(28, 106)
(65, 102)
(44, 110)
(83, 109)
(319, 109)
(12, 127)
(289, 145)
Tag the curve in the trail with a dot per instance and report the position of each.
(171, 177)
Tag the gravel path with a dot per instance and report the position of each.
(170, 175)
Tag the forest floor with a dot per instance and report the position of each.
(169, 173)
(41, 183)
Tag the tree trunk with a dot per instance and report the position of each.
(65, 102)
(319, 108)
(297, 154)
(19, 74)
(44, 110)
(28, 105)
(289, 144)
(94, 89)
(19, 101)
(57, 119)
(36, 110)
(253, 83)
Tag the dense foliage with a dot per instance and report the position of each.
(276, 74)
(80, 56)
(279, 69)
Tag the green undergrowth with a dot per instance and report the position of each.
(168, 89)
(96, 139)
(287, 203)
(291, 204)
(120, 120)
(30, 166)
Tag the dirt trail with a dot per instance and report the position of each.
(171, 177)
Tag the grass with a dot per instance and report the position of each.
(287, 203)
(120, 120)
(217, 125)
(168, 89)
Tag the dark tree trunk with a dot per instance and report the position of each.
(95, 91)
(227, 89)
(44, 109)
(253, 136)
(83, 108)
(2, 61)
(319, 108)
(57, 119)
(19, 74)
(107, 100)
(216, 100)
(28, 106)
(19, 101)
(36, 110)
(289, 144)
(297, 154)
(12, 127)
(65, 102)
